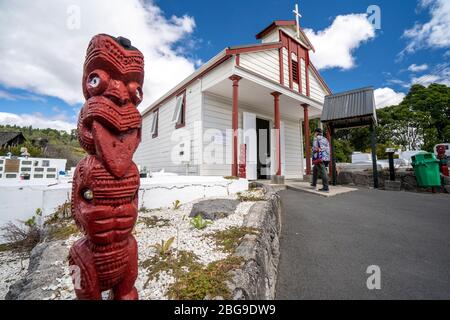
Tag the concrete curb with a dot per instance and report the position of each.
(256, 278)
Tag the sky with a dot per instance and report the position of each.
(385, 44)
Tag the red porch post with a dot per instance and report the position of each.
(234, 165)
(276, 100)
(306, 138)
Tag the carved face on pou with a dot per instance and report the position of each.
(112, 85)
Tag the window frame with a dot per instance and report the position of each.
(182, 122)
(154, 131)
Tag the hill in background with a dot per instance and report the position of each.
(47, 143)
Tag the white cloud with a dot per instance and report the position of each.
(387, 97)
(417, 68)
(335, 45)
(39, 53)
(26, 96)
(434, 33)
(36, 120)
(439, 74)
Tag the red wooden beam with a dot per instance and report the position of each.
(235, 114)
(254, 48)
(276, 100)
(307, 138)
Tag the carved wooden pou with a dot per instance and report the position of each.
(106, 182)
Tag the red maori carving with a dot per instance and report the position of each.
(106, 182)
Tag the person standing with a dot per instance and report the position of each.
(320, 159)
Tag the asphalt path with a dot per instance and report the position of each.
(327, 244)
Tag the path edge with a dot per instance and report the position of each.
(256, 278)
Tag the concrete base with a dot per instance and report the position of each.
(447, 188)
(392, 185)
(305, 187)
(307, 178)
(275, 179)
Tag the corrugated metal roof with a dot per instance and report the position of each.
(355, 104)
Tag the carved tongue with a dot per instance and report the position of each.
(116, 151)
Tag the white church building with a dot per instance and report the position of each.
(240, 114)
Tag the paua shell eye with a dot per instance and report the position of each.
(88, 195)
(138, 94)
(94, 82)
(97, 82)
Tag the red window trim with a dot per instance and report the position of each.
(156, 113)
(183, 112)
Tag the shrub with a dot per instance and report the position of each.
(176, 204)
(163, 248)
(199, 223)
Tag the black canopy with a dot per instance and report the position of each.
(350, 109)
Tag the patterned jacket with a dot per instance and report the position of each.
(324, 147)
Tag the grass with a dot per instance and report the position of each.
(229, 239)
(62, 213)
(231, 177)
(147, 210)
(62, 231)
(251, 195)
(22, 237)
(176, 264)
(154, 221)
(193, 280)
(205, 281)
(6, 247)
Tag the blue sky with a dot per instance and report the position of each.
(40, 85)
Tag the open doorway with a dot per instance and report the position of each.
(263, 148)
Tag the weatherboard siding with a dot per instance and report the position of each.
(316, 90)
(303, 75)
(265, 63)
(218, 115)
(155, 153)
(273, 36)
(223, 71)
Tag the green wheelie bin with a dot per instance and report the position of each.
(426, 169)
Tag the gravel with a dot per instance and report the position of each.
(13, 267)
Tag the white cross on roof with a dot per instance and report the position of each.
(297, 19)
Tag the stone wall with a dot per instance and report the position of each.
(365, 178)
(256, 279)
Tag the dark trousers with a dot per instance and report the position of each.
(320, 167)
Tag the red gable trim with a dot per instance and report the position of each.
(307, 40)
(320, 78)
(273, 25)
(254, 48)
(281, 23)
(228, 53)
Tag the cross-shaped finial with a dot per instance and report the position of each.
(297, 19)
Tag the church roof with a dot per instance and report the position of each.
(284, 23)
(273, 25)
(227, 53)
